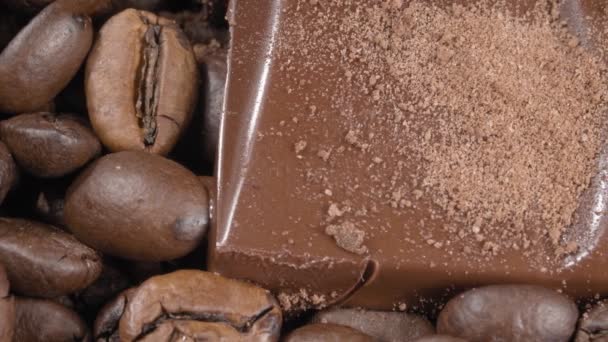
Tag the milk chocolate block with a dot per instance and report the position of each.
(384, 154)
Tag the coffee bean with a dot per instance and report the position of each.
(439, 338)
(141, 83)
(44, 261)
(214, 79)
(44, 321)
(43, 57)
(8, 171)
(197, 303)
(139, 206)
(105, 328)
(593, 325)
(509, 313)
(50, 145)
(7, 308)
(382, 325)
(327, 333)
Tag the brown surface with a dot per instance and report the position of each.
(593, 325)
(44, 321)
(105, 328)
(9, 173)
(43, 261)
(327, 333)
(264, 188)
(50, 145)
(138, 206)
(7, 308)
(198, 301)
(40, 61)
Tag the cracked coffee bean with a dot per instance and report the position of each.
(7, 308)
(44, 56)
(139, 206)
(43, 261)
(509, 313)
(50, 145)
(197, 304)
(327, 332)
(593, 325)
(105, 328)
(8, 171)
(141, 83)
(44, 321)
(382, 325)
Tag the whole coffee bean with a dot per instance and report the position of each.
(43, 261)
(593, 325)
(44, 321)
(105, 328)
(50, 145)
(214, 80)
(381, 325)
(509, 313)
(139, 206)
(208, 301)
(439, 338)
(44, 56)
(327, 332)
(150, 66)
(7, 308)
(8, 171)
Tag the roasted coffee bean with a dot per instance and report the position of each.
(45, 321)
(141, 83)
(139, 206)
(105, 328)
(509, 313)
(382, 325)
(327, 332)
(593, 325)
(214, 80)
(8, 171)
(439, 338)
(43, 261)
(50, 145)
(206, 304)
(7, 308)
(44, 56)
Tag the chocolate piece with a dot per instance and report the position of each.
(202, 301)
(327, 333)
(159, 208)
(382, 325)
(44, 56)
(7, 308)
(50, 145)
(44, 320)
(509, 313)
(593, 325)
(268, 184)
(43, 261)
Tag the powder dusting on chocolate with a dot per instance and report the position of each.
(489, 121)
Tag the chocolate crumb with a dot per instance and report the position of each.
(348, 237)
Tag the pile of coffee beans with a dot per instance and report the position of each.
(109, 125)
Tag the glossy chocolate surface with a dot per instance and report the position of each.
(267, 232)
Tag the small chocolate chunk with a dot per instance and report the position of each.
(139, 206)
(382, 325)
(593, 325)
(327, 333)
(44, 56)
(197, 303)
(50, 145)
(44, 321)
(7, 308)
(43, 261)
(509, 313)
(8, 171)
